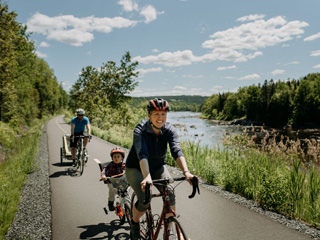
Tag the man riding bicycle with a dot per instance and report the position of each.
(79, 124)
(146, 159)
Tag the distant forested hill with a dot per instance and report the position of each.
(177, 103)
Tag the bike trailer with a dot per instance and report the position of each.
(65, 152)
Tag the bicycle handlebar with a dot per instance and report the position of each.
(81, 136)
(195, 186)
(110, 177)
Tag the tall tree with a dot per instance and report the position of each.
(9, 35)
(108, 85)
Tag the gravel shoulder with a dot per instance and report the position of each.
(33, 219)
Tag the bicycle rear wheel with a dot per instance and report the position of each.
(146, 222)
(175, 229)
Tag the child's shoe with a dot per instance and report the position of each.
(110, 206)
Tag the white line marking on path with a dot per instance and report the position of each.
(60, 126)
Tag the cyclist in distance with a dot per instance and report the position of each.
(79, 124)
(146, 158)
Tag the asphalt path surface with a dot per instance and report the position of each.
(78, 202)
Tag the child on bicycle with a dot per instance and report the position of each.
(113, 169)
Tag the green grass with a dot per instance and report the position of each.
(19, 155)
(284, 187)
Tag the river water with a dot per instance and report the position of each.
(197, 130)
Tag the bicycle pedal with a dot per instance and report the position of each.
(105, 211)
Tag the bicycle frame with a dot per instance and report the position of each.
(79, 147)
(80, 158)
(151, 231)
(166, 209)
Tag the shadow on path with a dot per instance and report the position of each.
(108, 229)
(70, 171)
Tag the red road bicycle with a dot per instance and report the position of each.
(151, 224)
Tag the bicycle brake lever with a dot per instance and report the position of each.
(195, 187)
(148, 195)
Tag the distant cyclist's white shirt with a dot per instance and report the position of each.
(80, 126)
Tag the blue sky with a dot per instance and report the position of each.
(184, 47)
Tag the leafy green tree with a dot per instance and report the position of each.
(28, 87)
(280, 107)
(9, 35)
(232, 108)
(97, 88)
(306, 101)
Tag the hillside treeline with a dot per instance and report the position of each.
(177, 103)
(28, 87)
(280, 103)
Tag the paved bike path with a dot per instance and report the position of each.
(78, 201)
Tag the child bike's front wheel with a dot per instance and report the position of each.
(124, 214)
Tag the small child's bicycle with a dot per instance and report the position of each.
(123, 206)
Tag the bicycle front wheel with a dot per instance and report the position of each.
(175, 229)
(81, 165)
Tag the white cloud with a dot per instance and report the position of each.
(250, 77)
(315, 53)
(128, 5)
(149, 70)
(291, 63)
(312, 37)
(72, 30)
(251, 17)
(155, 50)
(316, 66)
(229, 77)
(40, 54)
(73, 37)
(149, 13)
(237, 44)
(170, 59)
(193, 76)
(226, 68)
(44, 44)
(277, 72)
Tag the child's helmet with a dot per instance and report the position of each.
(117, 150)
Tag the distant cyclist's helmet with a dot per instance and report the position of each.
(158, 104)
(80, 111)
(117, 150)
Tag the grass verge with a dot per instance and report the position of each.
(19, 153)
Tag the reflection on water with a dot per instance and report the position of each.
(201, 131)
